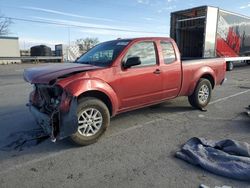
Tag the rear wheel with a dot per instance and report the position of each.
(93, 120)
(202, 94)
(230, 66)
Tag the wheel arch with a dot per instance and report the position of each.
(206, 73)
(95, 88)
(98, 95)
(210, 78)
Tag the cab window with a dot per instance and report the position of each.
(145, 51)
(168, 52)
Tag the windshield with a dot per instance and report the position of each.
(103, 54)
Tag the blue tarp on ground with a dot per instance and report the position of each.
(228, 158)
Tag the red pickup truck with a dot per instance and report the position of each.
(78, 99)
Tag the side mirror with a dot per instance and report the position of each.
(132, 61)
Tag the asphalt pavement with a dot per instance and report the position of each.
(136, 151)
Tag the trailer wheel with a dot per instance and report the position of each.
(201, 95)
(230, 66)
(93, 120)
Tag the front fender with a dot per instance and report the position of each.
(79, 86)
(199, 74)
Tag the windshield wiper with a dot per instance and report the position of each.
(83, 62)
(95, 63)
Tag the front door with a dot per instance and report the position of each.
(141, 84)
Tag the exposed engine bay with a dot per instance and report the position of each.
(54, 110)
(48, 98)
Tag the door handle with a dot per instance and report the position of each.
(157, 71)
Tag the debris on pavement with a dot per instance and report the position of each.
(227, 158)
(205, 186)
(23, 139)
(248, 111)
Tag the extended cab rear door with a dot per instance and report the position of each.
(171, 69)
(141, 84)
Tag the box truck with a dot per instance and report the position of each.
(208, 32)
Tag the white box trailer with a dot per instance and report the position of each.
(208, 32)
(9, 47)
(68, 53)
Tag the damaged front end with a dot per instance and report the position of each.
(55, 110)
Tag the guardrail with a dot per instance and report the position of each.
(32, 58)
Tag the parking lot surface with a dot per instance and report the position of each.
(136, 151)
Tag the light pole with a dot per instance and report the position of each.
(68, 44)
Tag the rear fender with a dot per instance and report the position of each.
(198, 75)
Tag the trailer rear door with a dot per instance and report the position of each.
(194, 31)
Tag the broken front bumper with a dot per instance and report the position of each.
(59, 124)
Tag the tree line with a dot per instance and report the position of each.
(4, 25)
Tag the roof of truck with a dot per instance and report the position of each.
(189, 9)
(205, 6)
(6, 37)
(144, 38)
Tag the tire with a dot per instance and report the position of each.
(230, 66)
(93, 118)
(201, 95)
(248, 62)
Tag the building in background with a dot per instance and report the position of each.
(9, 47)
(40, 50)
(25, 53)
(10, 52)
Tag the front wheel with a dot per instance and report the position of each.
(201, 95)
(93, 119)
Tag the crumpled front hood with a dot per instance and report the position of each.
(45, 74)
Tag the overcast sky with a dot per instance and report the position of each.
(105, 20)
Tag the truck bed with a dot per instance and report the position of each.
(193, 69)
